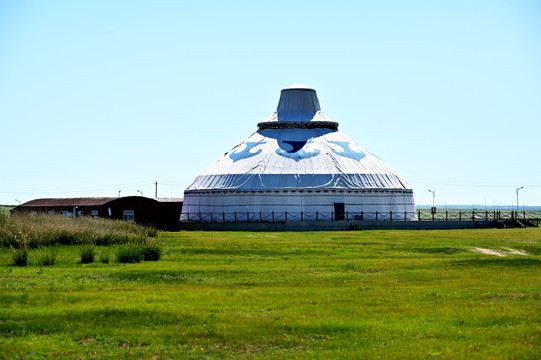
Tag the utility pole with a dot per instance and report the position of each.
(156, 193)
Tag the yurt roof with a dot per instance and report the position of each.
(298, 147)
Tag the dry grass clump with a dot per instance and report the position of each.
(41, 230)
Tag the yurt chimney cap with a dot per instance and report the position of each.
(297, 103)
(298, 107)
(298, 87)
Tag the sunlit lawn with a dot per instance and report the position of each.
(356, 294)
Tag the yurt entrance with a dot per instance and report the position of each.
(339, 211)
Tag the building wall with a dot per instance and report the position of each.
(276, 202)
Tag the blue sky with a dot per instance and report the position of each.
(98, 97)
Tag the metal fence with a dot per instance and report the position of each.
(453, 215)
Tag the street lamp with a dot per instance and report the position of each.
(19, 201)
(140, 192)
(433, 198)
(433, 209)
(520, 188)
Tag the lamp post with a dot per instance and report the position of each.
(433, 210)
(433, 198)
(519, 188)
(140, 192)
(19, 201)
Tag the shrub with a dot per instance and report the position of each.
(87, 253)
(47, 256)
(129, 253)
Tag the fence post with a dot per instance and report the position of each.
(247, 216)
(286, 216)
(362, 215)
(235, 216)
(433, 216)
(273, 216)
(486, 216)
(317, 217)
(473, 215)
(347, 215)
(405, 216)
(376, 216)
(223, 216)
(390, 216)
(188, 217)
(260, 216)
(419, 215)
(332, 215)
(460, 215)
(301, 215)
(199, 216)
(211, 216)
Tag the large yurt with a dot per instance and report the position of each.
(298, 166)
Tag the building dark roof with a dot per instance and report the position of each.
(86, 201)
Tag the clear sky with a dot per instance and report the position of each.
(98, 97)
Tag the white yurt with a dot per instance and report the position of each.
(298, 166)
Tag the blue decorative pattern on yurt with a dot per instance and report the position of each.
(245, 154)
(348, 152)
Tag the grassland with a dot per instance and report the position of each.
(357, 294)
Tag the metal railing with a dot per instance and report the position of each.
(452, 215)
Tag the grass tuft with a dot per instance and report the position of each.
(47, 256)
(86, 253)
(19, 256)
(104, 257)
(129, 253)
(152, 251)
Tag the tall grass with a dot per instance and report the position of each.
(43, 230)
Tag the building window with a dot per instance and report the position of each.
(128, 215)
(50, 212)
(94, 213)
(67, 213)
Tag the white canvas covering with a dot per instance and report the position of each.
(297, 161)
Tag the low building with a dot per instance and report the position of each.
(162, 213)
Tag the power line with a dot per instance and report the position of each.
(470, 184)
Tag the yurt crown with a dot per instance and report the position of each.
(298, 108)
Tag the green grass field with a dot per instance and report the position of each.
(318, 295)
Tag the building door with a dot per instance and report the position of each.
(339, 211)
